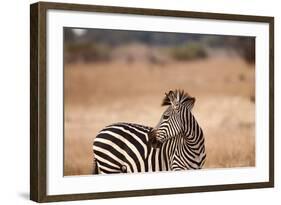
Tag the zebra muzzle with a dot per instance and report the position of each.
(152, 137)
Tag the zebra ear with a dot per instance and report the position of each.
(170, 99)
(190, 102)
(166, 100)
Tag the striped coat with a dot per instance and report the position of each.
(125, 148)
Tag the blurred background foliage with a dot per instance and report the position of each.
(92, 45)
(189, 51)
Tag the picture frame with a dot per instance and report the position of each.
(40, 22)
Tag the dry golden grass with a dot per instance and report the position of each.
(102, 93)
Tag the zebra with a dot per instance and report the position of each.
(175, 143)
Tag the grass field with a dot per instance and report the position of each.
(99, 94)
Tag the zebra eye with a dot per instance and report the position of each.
(165, 117)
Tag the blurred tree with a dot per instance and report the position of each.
(186, 46)
(68, 35)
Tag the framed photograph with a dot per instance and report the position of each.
(134, 102)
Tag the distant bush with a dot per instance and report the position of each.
(87, 52)
(189, 51)
(247, 50)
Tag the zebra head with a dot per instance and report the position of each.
(173, 121)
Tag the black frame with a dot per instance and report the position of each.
(38, 101)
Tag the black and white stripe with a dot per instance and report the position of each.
(122, 147)
(176, 143)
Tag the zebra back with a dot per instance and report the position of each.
(122, 147)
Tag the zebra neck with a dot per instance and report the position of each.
(193, 150)
(192, 145)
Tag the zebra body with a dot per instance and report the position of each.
(127, 147)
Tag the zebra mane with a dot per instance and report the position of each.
(176, 96)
